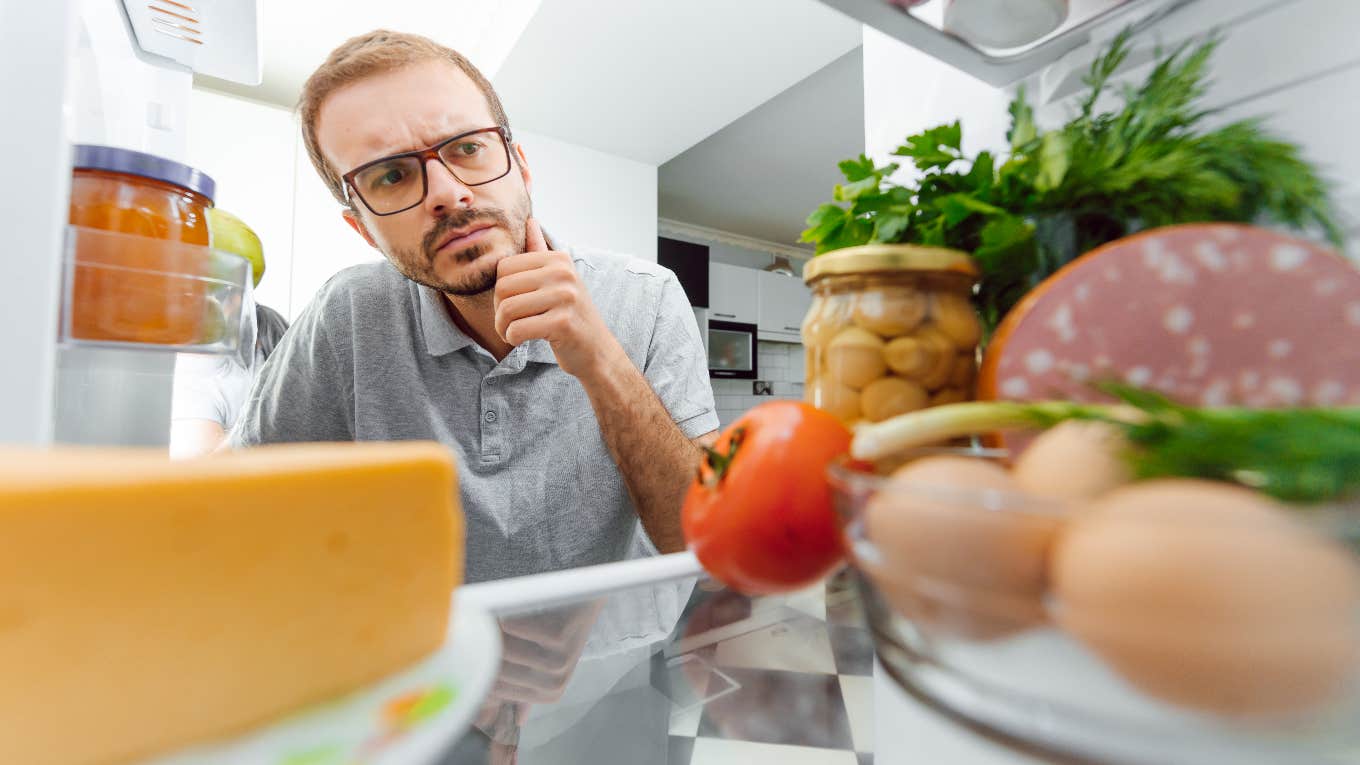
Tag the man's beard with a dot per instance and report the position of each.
(419, 267)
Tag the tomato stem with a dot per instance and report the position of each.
(718, 462)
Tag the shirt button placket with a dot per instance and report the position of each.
(493, 413)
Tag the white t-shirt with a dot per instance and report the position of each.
(209, 387)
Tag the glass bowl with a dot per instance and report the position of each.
(1168, 637)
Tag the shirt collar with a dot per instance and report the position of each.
(442, 335)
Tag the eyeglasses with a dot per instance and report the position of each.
(397, 183)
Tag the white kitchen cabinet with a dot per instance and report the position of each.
(733, 293)
(784, 301)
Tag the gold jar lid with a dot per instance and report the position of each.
(888, 258)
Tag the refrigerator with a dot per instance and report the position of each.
(98, 71)
(112, 74)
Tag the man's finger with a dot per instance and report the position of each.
(533, 237)
(525, 261)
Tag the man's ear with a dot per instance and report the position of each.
(352, 219)
(524, 169)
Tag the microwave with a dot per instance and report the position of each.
(731, 350)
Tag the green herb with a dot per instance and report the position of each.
(1063, 192)
(1295, 455)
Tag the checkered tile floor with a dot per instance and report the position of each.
(796, 691)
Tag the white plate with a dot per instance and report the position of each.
(409, 718)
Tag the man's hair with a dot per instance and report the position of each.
(377, 52)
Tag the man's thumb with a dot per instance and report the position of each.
(533, 237)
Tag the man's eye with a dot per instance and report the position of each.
(468, 149)
(389, 177)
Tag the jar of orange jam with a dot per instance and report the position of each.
(148, 285)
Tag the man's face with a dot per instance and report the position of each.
(453, 239)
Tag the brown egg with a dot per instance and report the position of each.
(948, 396)
(890, 312)
(1074, 460)
(855, 357)
(1211, 597)
(829, 395)
(955, 316)
(890, 396)
(954, 557)
(824, 320)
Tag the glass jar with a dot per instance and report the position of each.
(145, 288)
(891, 329)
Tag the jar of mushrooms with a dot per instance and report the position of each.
(891, 329)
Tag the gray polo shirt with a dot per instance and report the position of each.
(376, 357)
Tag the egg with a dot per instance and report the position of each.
(890, 396)
(1211, 597)
(955, 552)
(831, 396)
(855, 357)
(1074, 460)
(890, 312)
(954, 315)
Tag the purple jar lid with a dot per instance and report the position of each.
(89, 157)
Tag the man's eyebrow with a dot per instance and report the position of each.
(388, 151)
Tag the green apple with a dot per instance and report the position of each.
(231, 234)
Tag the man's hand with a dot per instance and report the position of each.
(539, 296)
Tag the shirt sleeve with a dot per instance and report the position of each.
(302, 392)
(198, 389)
(676, 366)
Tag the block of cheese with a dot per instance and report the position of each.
(147, 604)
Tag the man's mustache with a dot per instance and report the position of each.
(460, 219)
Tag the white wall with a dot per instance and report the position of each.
(248, 148)
(323, 242)
(590, 198)
(254, 152)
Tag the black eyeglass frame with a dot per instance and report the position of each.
(425, 155)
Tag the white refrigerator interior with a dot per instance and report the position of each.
(97, 85)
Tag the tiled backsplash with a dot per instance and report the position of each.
(781, 364)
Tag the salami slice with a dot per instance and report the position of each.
(1209, 314)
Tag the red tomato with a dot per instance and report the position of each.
(759, 516)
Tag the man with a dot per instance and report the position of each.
(570, 385)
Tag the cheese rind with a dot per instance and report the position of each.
(147, 604)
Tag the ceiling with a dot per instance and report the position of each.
(647, 79)
(641, 79)
(745, 106)
(297, 35)
(761, 175)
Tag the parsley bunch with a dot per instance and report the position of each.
(1060, 193)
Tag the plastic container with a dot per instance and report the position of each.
(962, 623)
(177, 296)
(891, 330)
(135, 288)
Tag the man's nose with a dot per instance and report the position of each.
(443, 191)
